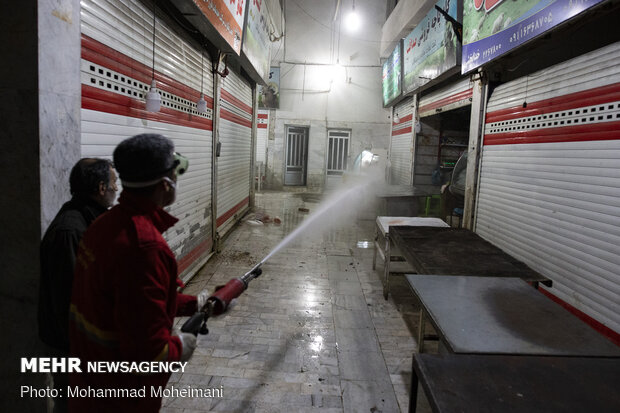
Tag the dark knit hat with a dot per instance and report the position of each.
(144, 158)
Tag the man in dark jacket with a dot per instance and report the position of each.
(93, 189)
(125, 288)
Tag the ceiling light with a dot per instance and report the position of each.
(153, 99)
(353, 20)
(201, 105)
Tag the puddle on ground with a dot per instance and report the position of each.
(364, 244)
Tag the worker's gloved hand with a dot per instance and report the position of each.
(201, 299)
(188, 344)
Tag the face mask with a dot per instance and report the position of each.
(170, 182)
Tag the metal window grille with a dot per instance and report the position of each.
(338, 152)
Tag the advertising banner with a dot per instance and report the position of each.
(227, 18)
(269, 95)
(494, 27)
(432, 48)
(392, 71)
(256, 44)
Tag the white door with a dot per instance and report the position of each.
(233, 164)
(401, 143)
(337, 156)
(296, 155)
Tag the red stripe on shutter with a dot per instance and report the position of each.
(446, 101)
(110, 102)
(227, 96)
(581, 133)
(223, 218)
(577, 100)
(98, 53)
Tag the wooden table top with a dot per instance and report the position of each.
(457, 251)
(499, 315)
(474, 383)
(384, 223)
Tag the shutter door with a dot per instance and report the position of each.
(454, 96)
(262, 133)
(233, 165)
(401, 145)
(116, 73)
(550, 179)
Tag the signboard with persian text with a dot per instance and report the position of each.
(227, 18)
(392, 86)
(256, 44)
(432, 48)
(492, 28)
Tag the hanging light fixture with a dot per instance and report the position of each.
(153, 98)
(353, 20)
(201, 105)
(396, 118)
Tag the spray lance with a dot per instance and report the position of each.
(219, 301)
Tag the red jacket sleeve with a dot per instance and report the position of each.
(187, 305)
(146, 306)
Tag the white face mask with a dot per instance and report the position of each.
(171, 182)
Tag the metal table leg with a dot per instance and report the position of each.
(413, 396)
(386, 284)
(374, 255)
(421, 329)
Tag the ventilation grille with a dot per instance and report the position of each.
(103, 78)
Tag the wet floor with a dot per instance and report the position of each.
(313, 332)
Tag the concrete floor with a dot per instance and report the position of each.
(313, 332)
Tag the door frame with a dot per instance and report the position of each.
(304, 177)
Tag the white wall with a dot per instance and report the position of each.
(40, 137)
(313, 94)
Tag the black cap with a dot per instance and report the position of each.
(144, 157)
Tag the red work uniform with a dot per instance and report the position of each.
(123, 305)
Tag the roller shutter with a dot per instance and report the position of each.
(116, 71)
(453, 96)
(401, 145)
(550, 179)
(262, 133)
(233, 164)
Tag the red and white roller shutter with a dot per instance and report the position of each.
(262, 133)
(550, 179)
(233, 164)
(401, 145)
(453, 96)
(116, 71)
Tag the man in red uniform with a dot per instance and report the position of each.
(125, 286)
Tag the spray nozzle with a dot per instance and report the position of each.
(253, 273)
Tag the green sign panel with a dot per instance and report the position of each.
(432, 48)
(392, 86)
